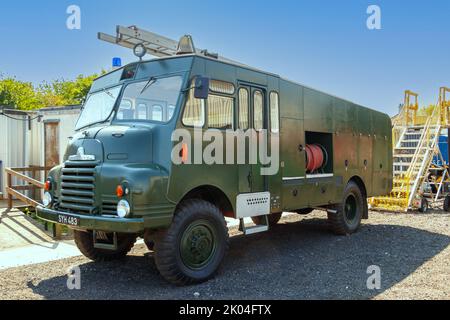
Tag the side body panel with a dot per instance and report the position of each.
(360, 145)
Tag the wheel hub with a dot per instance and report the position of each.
(198, 245)
(350, 208)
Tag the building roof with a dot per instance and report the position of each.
(62, 108)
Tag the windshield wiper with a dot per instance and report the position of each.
(109, 93)
(149, 83)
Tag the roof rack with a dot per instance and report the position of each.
(155, 44)
(129, 37)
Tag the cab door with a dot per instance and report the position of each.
(259, 123)
(252, 114)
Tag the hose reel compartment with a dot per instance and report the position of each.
(319, 153)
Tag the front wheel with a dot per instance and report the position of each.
(347, 219)
(85, 243)
(192, 249)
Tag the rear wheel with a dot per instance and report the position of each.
(85, 243)
(273, 219)
(347, 219)
(192, 249)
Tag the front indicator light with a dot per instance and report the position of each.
(123, 209)
(119, 191)
(47, 200)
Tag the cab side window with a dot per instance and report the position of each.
(220, 112)
(194, 111)
(274, 112)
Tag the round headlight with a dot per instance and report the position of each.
(123, 209)
(47, 200)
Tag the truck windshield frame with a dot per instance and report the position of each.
(98, 107)
(153, 100)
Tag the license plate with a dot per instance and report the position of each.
(68, 220)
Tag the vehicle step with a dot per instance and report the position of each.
(254, 229)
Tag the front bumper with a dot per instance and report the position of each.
(108, 224)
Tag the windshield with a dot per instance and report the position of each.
(152, 99)
(98, 107)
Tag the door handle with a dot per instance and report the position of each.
(249, 179)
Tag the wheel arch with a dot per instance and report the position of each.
(362, 186)
(213, 195)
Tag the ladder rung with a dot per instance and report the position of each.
(407, 155)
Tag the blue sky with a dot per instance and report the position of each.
(320, 43)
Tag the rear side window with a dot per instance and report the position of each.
(258, 105)
(243, 109)
(274, 112)
(220, 112)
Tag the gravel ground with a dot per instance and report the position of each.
(299, 259)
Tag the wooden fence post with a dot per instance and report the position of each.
(10, 198)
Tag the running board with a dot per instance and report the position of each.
(255, 229)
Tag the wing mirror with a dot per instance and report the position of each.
(201, 89)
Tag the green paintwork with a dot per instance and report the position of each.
(140, 157)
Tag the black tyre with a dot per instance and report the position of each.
(151, 237)
(85, 243)
(447, 204)
(192, 249)
(273, 219)
(305, 211)
(423, 206)
(347, 220)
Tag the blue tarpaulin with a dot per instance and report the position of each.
(443, 146)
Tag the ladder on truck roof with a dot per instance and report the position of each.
(155, 44)
(129, 37)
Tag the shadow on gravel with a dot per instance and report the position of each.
(300, 260)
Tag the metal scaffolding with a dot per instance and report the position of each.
(416, 143)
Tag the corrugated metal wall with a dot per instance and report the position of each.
(13, 144)
(23, 146)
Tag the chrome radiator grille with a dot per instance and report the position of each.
(78, 187)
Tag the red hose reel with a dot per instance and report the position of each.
(316, 157)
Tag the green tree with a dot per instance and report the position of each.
(61, 92)
(23, 95)
(18, 95)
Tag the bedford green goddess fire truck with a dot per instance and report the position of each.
(120, 181)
